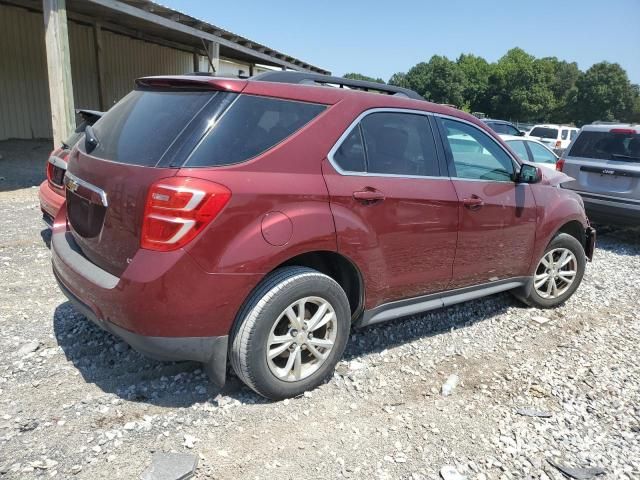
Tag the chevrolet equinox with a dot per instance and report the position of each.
(255, 222)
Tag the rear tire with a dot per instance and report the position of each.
(290, 333)
(558, 273)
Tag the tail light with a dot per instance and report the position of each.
(56, 167)
(177, 209)
(558, 143)
(560, 164)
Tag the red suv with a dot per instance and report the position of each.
(260, 220)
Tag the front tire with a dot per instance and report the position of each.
(557, 275)
(290, 333)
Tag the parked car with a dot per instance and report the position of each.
(51, 190)
(532, 151)
(260, 220)
(503, 127)
(604, 160)
(556, 137)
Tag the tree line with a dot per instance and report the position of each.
(522, 87)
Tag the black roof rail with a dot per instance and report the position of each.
(305, 78)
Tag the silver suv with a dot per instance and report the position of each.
(604, 160)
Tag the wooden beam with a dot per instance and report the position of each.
(196, 61)
(214, 57)
(180, 27)
(99, 52)
(59, 69)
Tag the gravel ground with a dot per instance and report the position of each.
(77, 403)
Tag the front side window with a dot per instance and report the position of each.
(574, 134)
(519, 148)
(565, 134)
(474, 155)
(541, 154)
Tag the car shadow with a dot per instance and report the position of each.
(104, 360)
(45, 234)
(619, 240)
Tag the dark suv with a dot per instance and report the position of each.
(260, 220)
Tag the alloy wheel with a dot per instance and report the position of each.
(301, 339)
(556, 273)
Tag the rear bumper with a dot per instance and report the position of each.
(211, 351)
(163, 305)
(611, 211)
(50, 202)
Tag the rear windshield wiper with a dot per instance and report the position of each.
(625, 157)
(90, 139)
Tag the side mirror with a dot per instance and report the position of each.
(529, 174)
(521, 133)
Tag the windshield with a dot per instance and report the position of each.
(544, 132)
(607, 146)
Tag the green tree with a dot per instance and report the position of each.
(519, 88)
(440, 80)
(399, 79)
(561, 78)
(476, 71)
(359, 76)
(605, 93)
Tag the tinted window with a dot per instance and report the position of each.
(504, 128)
(251, 126)
(541, 154)
(350, 154)
(400, 144)
(607, 146)
(544, 132)
(139, 129)
(474, 154)
(520, 149)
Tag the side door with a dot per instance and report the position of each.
(498, 217)
(396, 217)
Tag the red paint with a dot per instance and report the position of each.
(406, 236)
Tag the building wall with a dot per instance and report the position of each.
(24, 93)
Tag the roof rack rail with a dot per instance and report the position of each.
(305, 78)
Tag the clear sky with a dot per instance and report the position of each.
(381, 38)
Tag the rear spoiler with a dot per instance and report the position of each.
(89, 116)
(196, 82)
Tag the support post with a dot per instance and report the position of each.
(251, 69)
(56, 38)
(214, 55)
(196, 61)
(102, 96)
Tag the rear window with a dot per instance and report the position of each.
(607, 146)
(503, 128)
(544, 132)
(141, 127)
(251, 126)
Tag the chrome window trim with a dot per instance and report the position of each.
(101, 193)
(354, 124)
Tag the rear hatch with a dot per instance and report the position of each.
(145, 137)
(605, 162)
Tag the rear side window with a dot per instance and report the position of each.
(544, 132)
(350, 154)
(389, 143)
(607, 146)
(249, 127)
(573, 134)
(541, 154)
(399, 144)
(140, 128)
